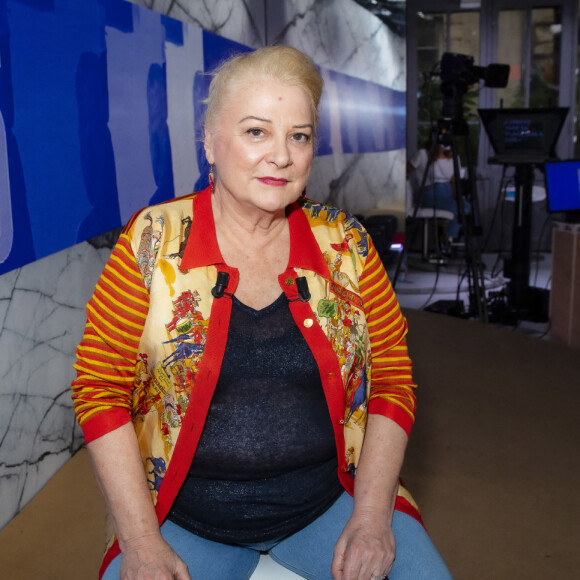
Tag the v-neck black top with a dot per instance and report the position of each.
(266, 464)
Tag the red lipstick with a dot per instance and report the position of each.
(276, 182)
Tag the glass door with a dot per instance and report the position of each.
(437, 33)
(530, 42)
(537, 38)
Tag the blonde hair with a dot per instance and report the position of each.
(284, 64)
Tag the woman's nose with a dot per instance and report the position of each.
(280, 154)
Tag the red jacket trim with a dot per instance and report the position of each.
(97, 426)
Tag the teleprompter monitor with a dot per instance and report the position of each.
(522, 136)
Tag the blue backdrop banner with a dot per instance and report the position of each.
(101, 113)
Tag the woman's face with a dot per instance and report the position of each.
(262, 145)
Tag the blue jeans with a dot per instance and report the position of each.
(308, 552)
(440, 196)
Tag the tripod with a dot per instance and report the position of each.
(446, 133)
(471, 227)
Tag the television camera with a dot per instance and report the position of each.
(458, 72)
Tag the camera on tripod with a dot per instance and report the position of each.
(457, 72)
(458, 69)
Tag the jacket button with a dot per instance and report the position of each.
(289, 281)
(308, 322)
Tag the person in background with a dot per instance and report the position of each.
(243, 383)
(439, 191)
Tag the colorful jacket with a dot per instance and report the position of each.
(155, 335)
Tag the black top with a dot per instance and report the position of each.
(266, 464)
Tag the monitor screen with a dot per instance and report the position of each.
(563, 185)
(529, 133)
(524, 135)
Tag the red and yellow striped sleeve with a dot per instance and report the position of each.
(392, 387)
(106, 356)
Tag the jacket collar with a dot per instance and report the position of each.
(202, 247)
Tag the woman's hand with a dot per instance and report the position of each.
(151, 558)
(365, 549)
(119, 469)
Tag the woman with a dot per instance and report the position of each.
(439, 189)
(241, 345)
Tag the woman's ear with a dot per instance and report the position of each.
(208, 146)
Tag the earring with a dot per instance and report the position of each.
(212, 177)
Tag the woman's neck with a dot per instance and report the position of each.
(258, 246)
(247, 221)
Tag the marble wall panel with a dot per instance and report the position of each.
(341, 35)
(42, 317)
(239, 20)
(358, 182)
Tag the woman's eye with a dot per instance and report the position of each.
(255, 132)
(301, 137)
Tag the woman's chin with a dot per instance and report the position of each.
(275, 201)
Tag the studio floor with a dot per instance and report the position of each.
(492, 458)
(421, 285)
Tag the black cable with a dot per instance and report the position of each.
(501, 239)
(426, 303)
(538, 250)
(498, 204)
(546, 287)
(496, 208)
(460, 276)
(543, 335)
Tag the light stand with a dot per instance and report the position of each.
(522, 227)
(523, 301)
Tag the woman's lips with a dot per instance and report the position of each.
(273, 181)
